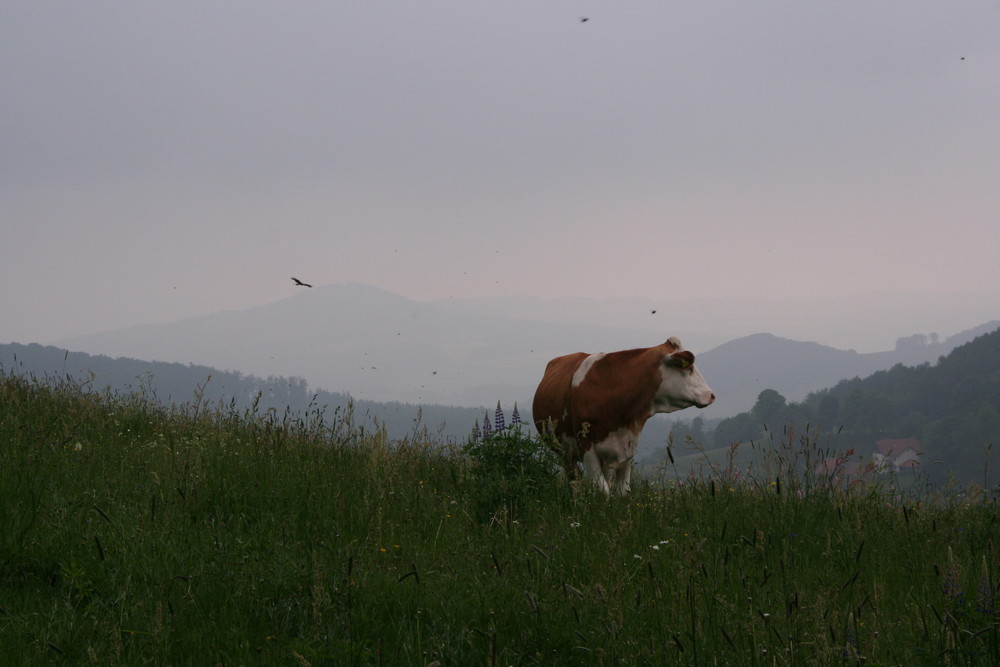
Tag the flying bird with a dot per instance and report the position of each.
(584, 19)
(299, 282)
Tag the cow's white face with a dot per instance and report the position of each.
(681, 384)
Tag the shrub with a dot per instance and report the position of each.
(509, 467)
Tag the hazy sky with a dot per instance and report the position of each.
(162, 160)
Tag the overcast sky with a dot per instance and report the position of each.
(162, 160)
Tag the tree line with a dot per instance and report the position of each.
(952, 407)
(175, 383)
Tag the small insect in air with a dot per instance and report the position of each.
(584, 19)
(299, 282)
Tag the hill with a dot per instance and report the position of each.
(133, 535)
(169, 383)
(383, 347)
(740, 369)
(363, 340)
(869, 322)
(949, 412)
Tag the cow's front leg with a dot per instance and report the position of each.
(593, 469)
(623, 477)
(615, 454)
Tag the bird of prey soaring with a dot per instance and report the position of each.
(300, 283)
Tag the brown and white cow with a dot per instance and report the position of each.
(595, 405)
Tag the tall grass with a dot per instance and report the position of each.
(131, 534)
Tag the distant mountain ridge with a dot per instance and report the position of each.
(740, 369)
(380, 346)
(864, 322)
(169, 383)
(368, 342)
(947, 414)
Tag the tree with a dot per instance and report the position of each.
(829, 411)
(911, 342)
(769, 404)
(740, 428)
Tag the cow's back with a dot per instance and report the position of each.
(551, 403)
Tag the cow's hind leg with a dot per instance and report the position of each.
(568, 451)
(572, 469)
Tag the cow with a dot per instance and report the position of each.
(593, 406)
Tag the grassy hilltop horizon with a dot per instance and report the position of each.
(134, 533)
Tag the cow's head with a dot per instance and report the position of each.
(681, 384)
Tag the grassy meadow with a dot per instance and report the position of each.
(131, 534)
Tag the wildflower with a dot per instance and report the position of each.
(575, 524)
(952, 587)
(515, 418)
(499, 423)
(487, 429)
(984, 593)
(851, 639)
(637, 556)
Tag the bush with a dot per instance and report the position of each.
(509, 468)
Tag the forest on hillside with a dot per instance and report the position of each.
(174, 383)
(952, 408)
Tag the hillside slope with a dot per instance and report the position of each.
(380, 346)
(951, 408)
(740, 369)
(170, 383)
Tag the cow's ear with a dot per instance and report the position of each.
(682, 359)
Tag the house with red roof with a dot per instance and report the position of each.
(897, 454)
